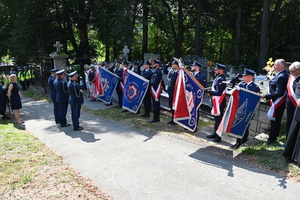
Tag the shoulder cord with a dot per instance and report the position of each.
(77, 95)
(65, 91)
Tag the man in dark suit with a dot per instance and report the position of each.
(147, 74)
(196, 67)
(248, 84)
(156, 87)
(75, 99)
(51, 80)
(277, 91)
(218, 93)
(62, 97)
(172, 77)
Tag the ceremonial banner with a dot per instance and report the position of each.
(188, 96)
(98, 83)
(109, 82)
(135, 88)
(239, 112)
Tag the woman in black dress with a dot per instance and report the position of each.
(14, 97)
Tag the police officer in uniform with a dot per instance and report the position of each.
(21, 78)
(75, 99)
(156, 83)
(248, 84)
(218, 92)
(62, 97)
(51, 80)
(137, 68)
(119, 90)
(147, 74)
(196, 67)
(172, 77)
(27, 75)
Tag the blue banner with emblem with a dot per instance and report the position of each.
(109, 82)
(187, 99)
(239, 112)
(135, 88)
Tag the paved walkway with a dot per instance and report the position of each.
(133, 164)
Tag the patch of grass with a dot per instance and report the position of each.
(25, 162)
(270, 157)
(32, 94)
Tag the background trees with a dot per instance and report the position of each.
(232, 32)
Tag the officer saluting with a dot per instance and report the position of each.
(75, 99)
(62, 97)
(248, 84)
(218, 93)
(51, 80)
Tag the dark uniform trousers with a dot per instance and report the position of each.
(62, 112)
(75, 115)
(156, 109)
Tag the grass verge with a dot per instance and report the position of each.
(30, 170)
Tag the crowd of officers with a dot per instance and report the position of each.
(63, 92)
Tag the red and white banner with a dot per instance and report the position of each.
(180, 104)
(216, 102)
(156, 93)
(291, 92)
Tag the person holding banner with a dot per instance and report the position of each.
(156, 88)
(172, 77)
(137, 68)
(147, 74)
(196, 67)
(276, 96)
(248, 84)
(218, 93)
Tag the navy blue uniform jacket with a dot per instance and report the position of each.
(75, 95)
(201, 79)
(51, 80)
(156, 78)
(252, 86)
(61, 88)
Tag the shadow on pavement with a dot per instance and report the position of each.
(224, 159)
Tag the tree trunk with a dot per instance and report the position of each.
(180, 29)
(264, 38)
(175, 40)
(238, 32)
(107, 47)
(145, 26)
(197, 31)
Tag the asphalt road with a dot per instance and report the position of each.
(132, 164)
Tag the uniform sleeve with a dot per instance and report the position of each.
(218, 89)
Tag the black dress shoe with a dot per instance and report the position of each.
(78, 129)
(118, 106)
(212, 135)
(108, 104)
(144, 115)
(235, 146)
(5, 118)
(217, 139)
(154, 120)
(124, 110)
(170, 122)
